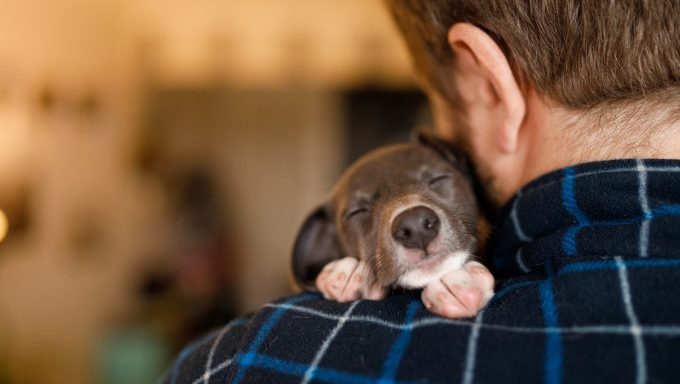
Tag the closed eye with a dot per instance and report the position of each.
(355, 212)
(438, 179)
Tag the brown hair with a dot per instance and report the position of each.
(582, 54)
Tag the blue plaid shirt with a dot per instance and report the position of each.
(588, 260)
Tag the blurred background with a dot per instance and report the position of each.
(156, 159)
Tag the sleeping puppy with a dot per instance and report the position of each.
(403, 215)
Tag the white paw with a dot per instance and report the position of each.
(347, 280)
(461, 292)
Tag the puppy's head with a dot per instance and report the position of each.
(408, 210)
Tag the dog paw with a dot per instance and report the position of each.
(347, 280)
(461, 292)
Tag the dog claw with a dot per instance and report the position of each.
(344, 280)
(459, 293)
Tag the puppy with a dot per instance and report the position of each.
(403, 215)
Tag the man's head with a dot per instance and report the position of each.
(533, 86)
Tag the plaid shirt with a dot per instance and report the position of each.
(588, 260)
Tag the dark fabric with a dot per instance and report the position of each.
(589, 292)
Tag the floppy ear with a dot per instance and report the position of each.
(316, 245)
(448, 150)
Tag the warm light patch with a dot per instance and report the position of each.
(4, 226)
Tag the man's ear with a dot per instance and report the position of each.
(446, 149)
(316, 245)
(487, 85)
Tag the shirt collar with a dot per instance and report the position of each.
(628, 208)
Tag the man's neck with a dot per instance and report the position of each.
(559, 138)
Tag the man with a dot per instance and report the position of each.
(570, 111)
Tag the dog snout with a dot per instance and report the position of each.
(416, 227)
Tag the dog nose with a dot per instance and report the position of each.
(416, 227)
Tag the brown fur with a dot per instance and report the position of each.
(357, 219)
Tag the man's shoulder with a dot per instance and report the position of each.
(287, 336)
(209, 356)
(554, 323)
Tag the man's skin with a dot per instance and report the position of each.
(515, 135)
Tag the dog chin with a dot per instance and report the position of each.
(420, 277)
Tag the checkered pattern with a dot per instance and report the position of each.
(590, 292)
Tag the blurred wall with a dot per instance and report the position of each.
(79, 80)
